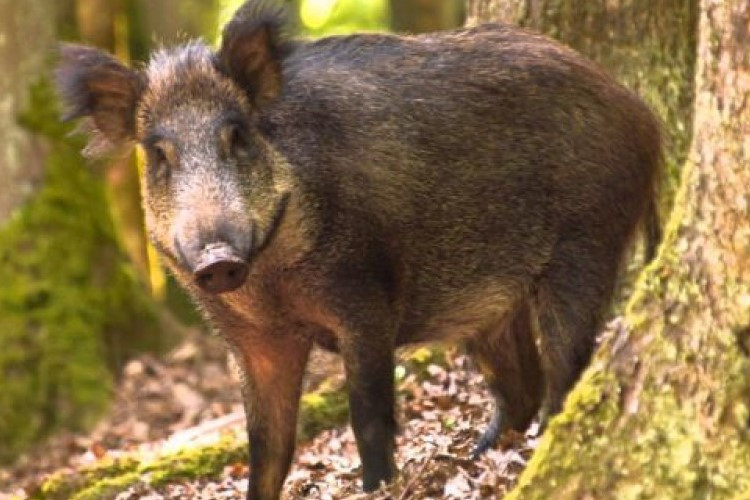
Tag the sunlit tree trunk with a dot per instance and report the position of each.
(423, 16)
(664, 410)
(96, 22)
(22, 56)
(106, 24)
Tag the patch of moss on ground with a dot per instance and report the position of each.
(70, 305)
(62, 484)
(107, 478)
(321, 410)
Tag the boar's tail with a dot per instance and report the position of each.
(651, 229)
(650, 220)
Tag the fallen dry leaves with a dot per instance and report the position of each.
(194, 392)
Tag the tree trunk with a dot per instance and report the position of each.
(105, 24)
(424, 16)
(21, 58)
(647, 45)
(663, 412)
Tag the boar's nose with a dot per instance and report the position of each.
(220, 269)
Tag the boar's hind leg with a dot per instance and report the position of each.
(273, 368)
(571, 297)
(369, 373)
(509, 360)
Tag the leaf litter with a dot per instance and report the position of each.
(192, 395)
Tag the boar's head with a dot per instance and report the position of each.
(212, 197)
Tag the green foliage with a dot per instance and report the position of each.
(67, 299)
(328, 17)
(325, 408)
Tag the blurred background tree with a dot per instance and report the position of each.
(330, 17)
(423, 16)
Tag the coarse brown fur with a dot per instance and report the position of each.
(479, 185)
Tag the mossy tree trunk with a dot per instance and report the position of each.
(664, 410)
(649, 45)
(71, 309)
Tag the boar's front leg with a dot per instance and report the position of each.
(368, 359)
(274, 365)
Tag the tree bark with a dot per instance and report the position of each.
(21, 59)
(106, 24)
(663, 411)
(172, 21)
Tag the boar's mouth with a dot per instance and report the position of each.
(270, 232)
(220, 269)
(223, 259)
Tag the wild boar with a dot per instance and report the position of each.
(369, 191)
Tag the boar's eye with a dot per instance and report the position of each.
(234, 143)
(162, 159)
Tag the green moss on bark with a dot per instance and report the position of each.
(655, 416)
(109, 477)
(660, 450)
(70, 306)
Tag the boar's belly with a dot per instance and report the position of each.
(461, 315)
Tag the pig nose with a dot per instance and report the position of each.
(219, 269)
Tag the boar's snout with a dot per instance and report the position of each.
(220, 269)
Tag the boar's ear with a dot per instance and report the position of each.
(94, 84)
(252, 49)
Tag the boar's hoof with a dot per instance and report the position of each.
(219, 270)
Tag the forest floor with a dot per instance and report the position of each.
(193, 395)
